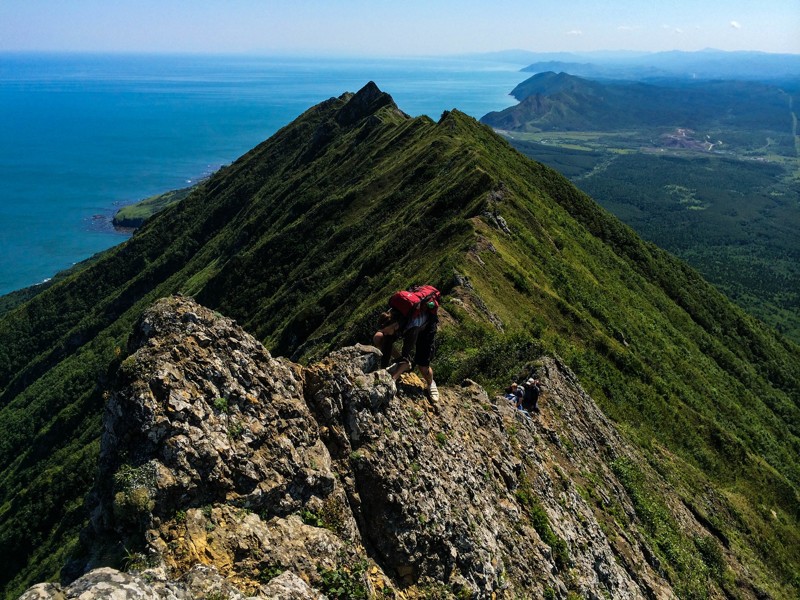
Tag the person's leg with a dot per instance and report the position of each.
(423, 356)
(403, 363)
(431, 389)
(384, 340)
(427, 374)
(401, 366)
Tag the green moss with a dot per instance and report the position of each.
(541, 523)
(270, 572)
(346, 582)
(311, 518)
(221, 405)
(235, 430)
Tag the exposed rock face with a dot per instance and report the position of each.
(226, 471)
(364, 103)
(212, 418)
(201, 582)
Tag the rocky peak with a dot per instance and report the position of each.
(349, 111)
(364, 103)
(226, 472)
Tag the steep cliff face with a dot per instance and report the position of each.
(226, 472)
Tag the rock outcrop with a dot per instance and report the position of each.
(228, 473)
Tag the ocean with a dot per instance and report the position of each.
(81, 135)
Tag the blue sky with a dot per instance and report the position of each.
(398, 27)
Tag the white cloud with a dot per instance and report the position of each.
(575, 32)
(736, 25)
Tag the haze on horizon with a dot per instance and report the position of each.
(411, 28)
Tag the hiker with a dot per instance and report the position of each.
(511, 392)
(530, 397)
(520, 393)
(389, 326)
(412, 316)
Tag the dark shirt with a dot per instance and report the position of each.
(531, 399)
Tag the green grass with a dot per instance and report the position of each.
(734, 221)
(541, 523)
(134, 215)
(690, 563)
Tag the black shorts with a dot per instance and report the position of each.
(421, 342)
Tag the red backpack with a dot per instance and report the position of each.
(409, 302)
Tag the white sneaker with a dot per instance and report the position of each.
(433, 392)
(394, 367)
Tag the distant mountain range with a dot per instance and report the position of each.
(704, 64)
(563, 102)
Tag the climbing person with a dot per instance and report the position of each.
(412, 316)
(530, 398)
(511, 392)
(390, 324)
(519, 395)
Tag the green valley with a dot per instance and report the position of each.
(708, 170)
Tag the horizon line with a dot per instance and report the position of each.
(352, 55)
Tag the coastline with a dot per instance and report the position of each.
(148, 124)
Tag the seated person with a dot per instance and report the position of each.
(530, 398)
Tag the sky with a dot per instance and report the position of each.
(397, 27)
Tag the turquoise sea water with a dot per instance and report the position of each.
(82, 134)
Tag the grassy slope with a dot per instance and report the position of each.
(302, 239)
(741, 236)
(134, 215)
(676, 369)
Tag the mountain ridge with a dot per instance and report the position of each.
(301, 240)
(194, 470)
(708, 64)
(564, 102)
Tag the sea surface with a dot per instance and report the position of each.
(81, 135)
